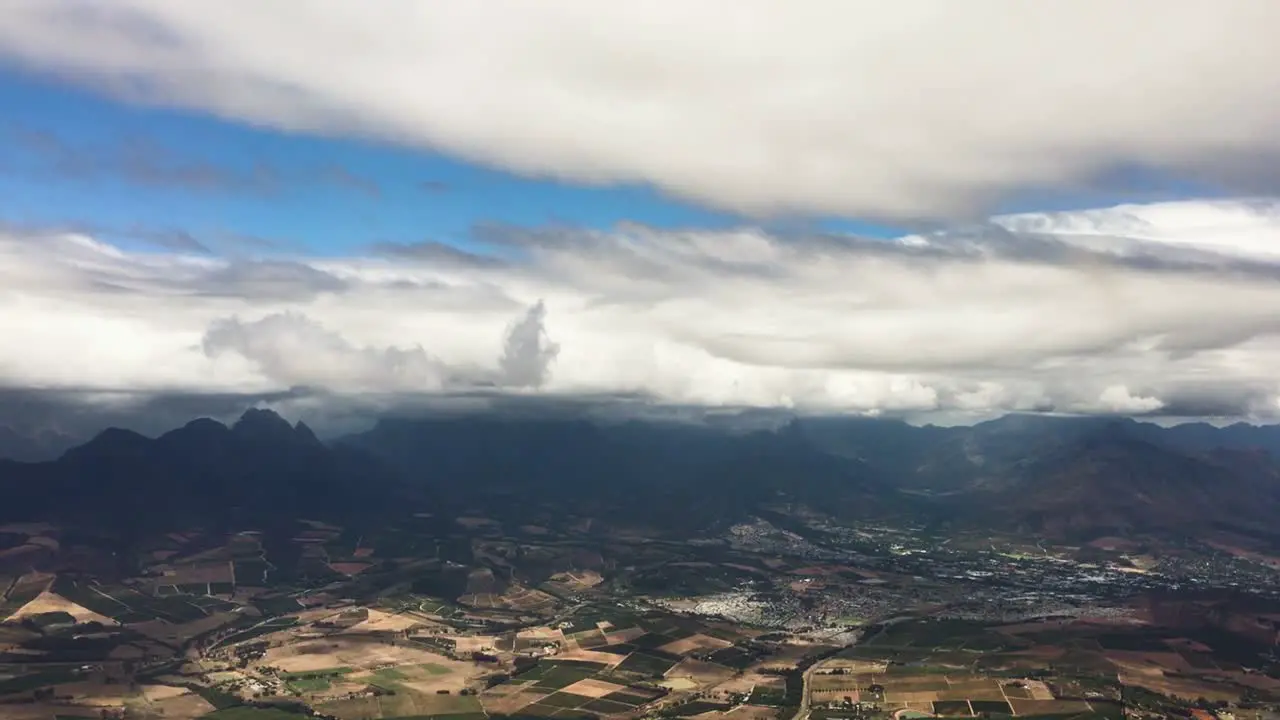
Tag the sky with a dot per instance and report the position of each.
(926, 209)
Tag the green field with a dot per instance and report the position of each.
(646, 664)
(562, 675)
(313, 680)
(36, 680)
(388, 676)
(326, 672)
(310, 685)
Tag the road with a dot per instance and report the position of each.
(802, 712)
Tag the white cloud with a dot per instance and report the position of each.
(975, 321)
(291, 348)
(1118, 399)
(528, 353)
(915, 108)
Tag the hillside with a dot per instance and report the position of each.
(1064, 477)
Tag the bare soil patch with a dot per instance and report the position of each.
(745, 682)
(703, 673)
(592, 688)
(831, 683)
(162, 692)
(679, 683)
(384, 621)
(1185, 688)
(623, 636)
(578, 580)
(693, 643)
(47, 602)
(609, 659)
(509, 704)
(91, 693)
(752, 712)
(183, 707)
(339, 651)
(474, 643)
(1149, 663)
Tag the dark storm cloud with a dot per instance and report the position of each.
(1218, 400)
(82, 413)
(77, 415)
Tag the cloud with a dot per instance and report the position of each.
(138, 160)
(431, 251)
(1118, 399)
(914, 109)
(294, 349)
(1078, 312)
(146, 163)
(170, 239)
(528, 353)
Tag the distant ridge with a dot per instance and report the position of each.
(1069, 477)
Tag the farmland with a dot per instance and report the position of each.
(475, 620)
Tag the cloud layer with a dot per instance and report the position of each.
(1167, 309)
(911, 109)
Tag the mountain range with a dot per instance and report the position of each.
(1068, 477)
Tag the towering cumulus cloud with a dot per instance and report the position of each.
(528, 353)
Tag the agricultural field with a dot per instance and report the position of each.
(525, 614)
(404, 705)
(951, 694)
(258, 629)
(555, 688)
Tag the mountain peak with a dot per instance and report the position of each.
(304, 431)
(261, 421)
(112, 441)
(261, 424)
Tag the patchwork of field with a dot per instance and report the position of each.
(952, 695)
(573, 582)
(566, 689)
(614, 663)
(47, 602)
(516, 598)
(93, 696)
(127, 606)
(361, 659)
(405, 705)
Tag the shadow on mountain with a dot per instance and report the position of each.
(1067, 477)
